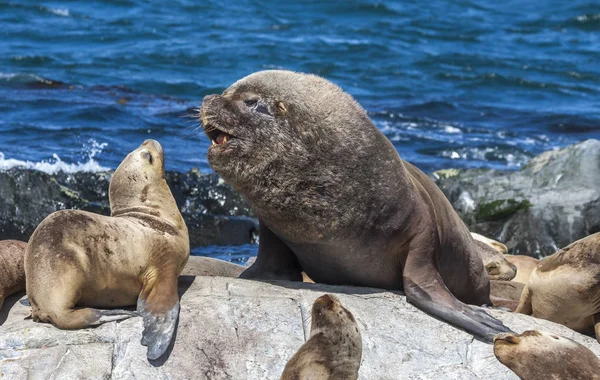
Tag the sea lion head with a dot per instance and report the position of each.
(275, 122)
(496, 264)
(541, 355)
(139, 183)
(328, 311)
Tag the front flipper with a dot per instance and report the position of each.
(425, 289)
(158, 304)
(275, 260)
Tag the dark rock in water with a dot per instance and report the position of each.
(550, 203)
(215, 214)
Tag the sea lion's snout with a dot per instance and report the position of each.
(154, 145)
(326, 301)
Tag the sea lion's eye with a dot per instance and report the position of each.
(148, 157)
(251, 102)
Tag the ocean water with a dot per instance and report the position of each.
(459, 83)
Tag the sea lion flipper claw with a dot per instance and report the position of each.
(160, 311)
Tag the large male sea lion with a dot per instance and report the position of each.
(12, 273)
(536, 355)
(334, 349)
(565, 287)
(335, 200)
(78, 262)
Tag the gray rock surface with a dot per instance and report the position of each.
(214, 213)
(241, 329)
(550, 203)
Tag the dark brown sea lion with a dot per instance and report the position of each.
(78, 262)
(334, 349)
(335, 200)
(12, 272)
(565, 287)
(536, 355)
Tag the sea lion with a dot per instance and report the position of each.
(565, 287)
(506, 293)
(334, 349)
(335, 200)
(12, 273)
(492, 253)
(78, 262)
(536, 355)
(525, 265)
(207, 266)
(305, 278)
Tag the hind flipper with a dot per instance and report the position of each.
(158, 304)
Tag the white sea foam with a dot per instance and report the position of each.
(451, 129)
(60, 12)
(56, 165)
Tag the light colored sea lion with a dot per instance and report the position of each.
(536, 355)
(565, 287)
(208, 266)
(78, 262)
(335, 200)
(525, 265)
(496, 264)
(12, 273)
(334, 349)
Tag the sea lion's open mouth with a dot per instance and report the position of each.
(217, 136)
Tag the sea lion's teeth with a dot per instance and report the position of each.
(225, 139)
(213, 142)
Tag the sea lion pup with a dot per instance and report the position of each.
(77, 262)
(334, 349)
(12, 273)
(208, 266)
(536, 355)
(335, 200)
(525, 265)
(565, 287)
(495, 263)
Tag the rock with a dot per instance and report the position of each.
(215, 214)
(550, 203)
(241, 329)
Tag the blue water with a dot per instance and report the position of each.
(451, 83)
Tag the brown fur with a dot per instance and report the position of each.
(335, 200)
(565, 287)
(536, 355)
(334, 349)
(525, 265)
(506, 293)
(492, 253)
(77, 261)
(12, 272)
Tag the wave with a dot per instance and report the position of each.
(28, 80)
(57, 165)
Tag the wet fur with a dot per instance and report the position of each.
(12, 272)
(565, 287)
(334, 349)
(335, 200)
(536, 355)
(78, 262)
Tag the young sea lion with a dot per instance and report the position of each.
(78, 262)
(492, 253)
(335, 200)
(334, 349)
(525, 265)
(536, 355)
(565, 287)
(12, 273)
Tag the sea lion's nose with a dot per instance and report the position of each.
(209, 98)
(155, 144)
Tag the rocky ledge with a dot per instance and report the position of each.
(550, 203)
(241, 329)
